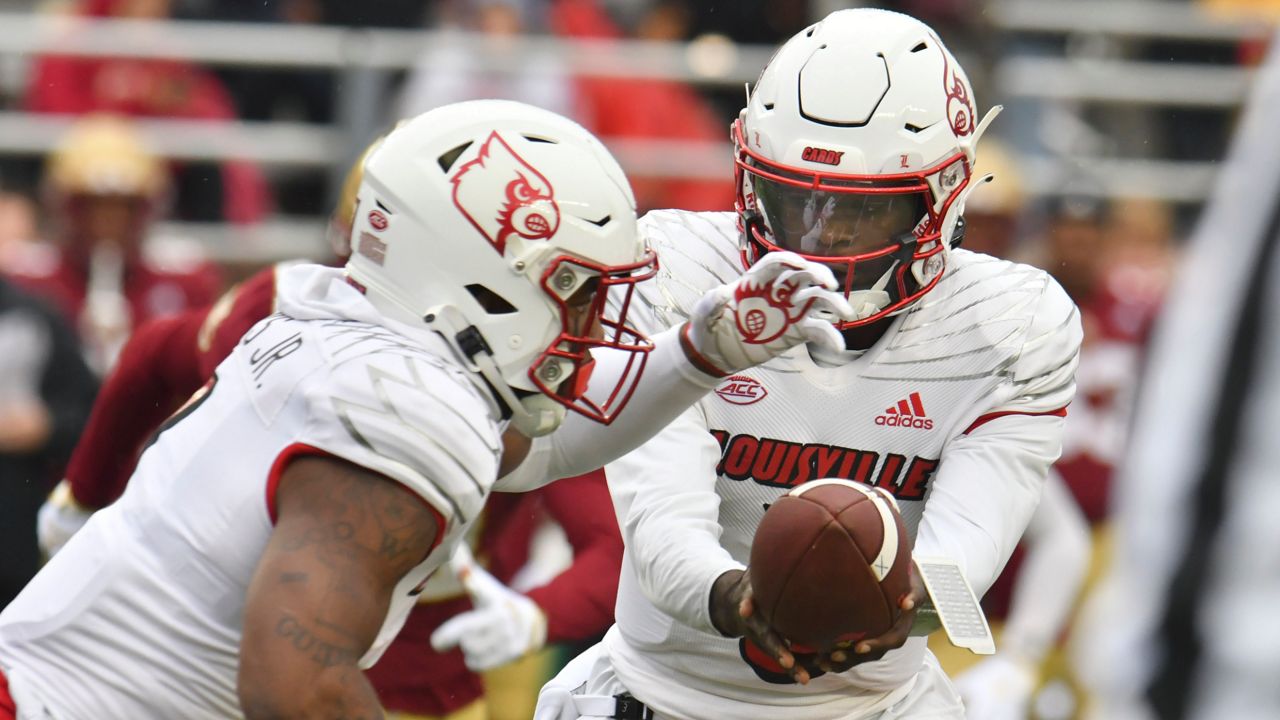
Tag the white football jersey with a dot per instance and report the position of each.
(140, 615)
(956, 411)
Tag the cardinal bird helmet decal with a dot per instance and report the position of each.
(510, 233)
(501, 195)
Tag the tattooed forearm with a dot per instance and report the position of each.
(344, 538)
(303, 640)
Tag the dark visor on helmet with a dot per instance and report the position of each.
(846, 220)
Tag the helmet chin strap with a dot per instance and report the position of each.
(538, 415)
(871, 301)
(531, 416)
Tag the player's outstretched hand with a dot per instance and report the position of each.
(733, 613)
(780, 302)
(503, 626)
(870, 649)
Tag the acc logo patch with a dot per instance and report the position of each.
(741, 390)
(502, 195)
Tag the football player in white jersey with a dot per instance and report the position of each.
(857, 149)
(274, 535)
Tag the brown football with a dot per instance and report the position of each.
(821, 570)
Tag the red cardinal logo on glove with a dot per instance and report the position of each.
(761, 312)
(502, 195)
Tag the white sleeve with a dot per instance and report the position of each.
(667, 387)
(1042, 378)
(991, 477)
(412, 421)
(1051, 575)
(984, 493)
(668, 509)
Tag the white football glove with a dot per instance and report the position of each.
(555, 703)
(780, 302)
(503, 626)
(998, 688)
(59, 518)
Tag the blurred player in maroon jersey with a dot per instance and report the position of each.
(103, 190)
(169, 358)
(1114, 261)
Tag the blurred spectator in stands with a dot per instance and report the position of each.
(18, 227)
(1114, 262)
(639, 108)
(382, 13)
(1140, 254)
(762, 22)
(269, 93)
(454, 70)
(46, 392)
(103, 190)
(148, 87)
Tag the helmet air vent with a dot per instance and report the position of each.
(492, 302)
(536, 139)
(449, 158)
(920, 46)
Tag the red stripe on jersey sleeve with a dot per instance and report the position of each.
(8, 709)
(297, 450)
(984, 419)
(286, 456)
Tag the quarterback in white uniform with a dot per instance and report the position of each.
(277, 531)
(856, 150)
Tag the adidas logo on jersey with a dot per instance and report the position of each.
(909, 413)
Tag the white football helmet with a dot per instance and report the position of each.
(497, 224)
(856, 150)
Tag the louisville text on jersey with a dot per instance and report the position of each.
(785, 464)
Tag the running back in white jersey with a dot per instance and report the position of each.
(140, 615)
(993, 339)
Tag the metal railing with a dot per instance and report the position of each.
(1142, 19)
(364, 59)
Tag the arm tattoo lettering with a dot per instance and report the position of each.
(305, 641)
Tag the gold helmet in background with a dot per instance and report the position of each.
(104, 185)
(106, 155)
